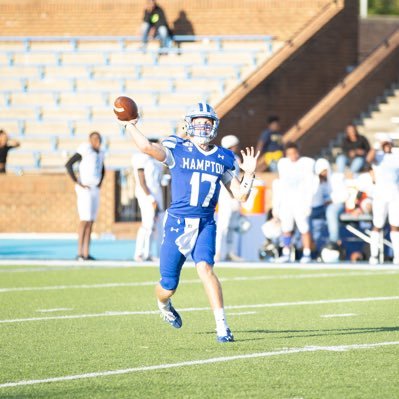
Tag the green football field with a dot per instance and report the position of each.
(94, 332)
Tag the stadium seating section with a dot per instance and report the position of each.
(55, 91)
(382, 118)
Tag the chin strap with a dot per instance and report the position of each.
(200, 140)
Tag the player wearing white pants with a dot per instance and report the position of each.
(148, 190)
(386, 197)
(91, 174)
(293, 200)
(88, 199)
(228, 212)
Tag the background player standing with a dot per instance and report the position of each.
(197, 168)
(386, 197)
(294, 200)
(148, 190)
(91, 174)
(228, 211)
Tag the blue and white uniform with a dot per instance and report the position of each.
(189, 226)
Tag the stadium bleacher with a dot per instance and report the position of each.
(56, 90)
(380, 118)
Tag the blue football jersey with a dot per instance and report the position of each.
(196, 176)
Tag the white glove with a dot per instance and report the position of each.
(125, 124)
(248, 164)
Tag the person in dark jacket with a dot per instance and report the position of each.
(270, 145)
(154, 21)
(355, 148)
(5, 145)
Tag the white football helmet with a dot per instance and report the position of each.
(201, 133)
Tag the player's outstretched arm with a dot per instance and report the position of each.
(241, 190)
(154, 150)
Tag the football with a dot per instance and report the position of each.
(125, 109)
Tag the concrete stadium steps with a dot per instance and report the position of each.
(36, 143)
(55, 127)
(383, 118)
(16, 72)
(20, 158)
(48, 84)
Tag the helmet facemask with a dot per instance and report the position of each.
(202, 123)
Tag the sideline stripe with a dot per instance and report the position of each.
(254, 306)
(197, 281)
(228, 265)
(286, 351)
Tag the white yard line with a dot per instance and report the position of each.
(53, 310)
(228, 265)
(33, 269)
(338, 315)
(240, 313)
(197, 281)
(253, 306)
(285, 351)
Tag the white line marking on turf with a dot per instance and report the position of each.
(52, 310)
(35, 269)
(229, 265)
(286, 351)
(196, 281)
(240, 313)
(253, 306)
(338, 315)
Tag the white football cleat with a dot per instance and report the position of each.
(283, 259)
(373, 260)
(306, 259)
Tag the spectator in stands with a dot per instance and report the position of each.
(148, 191)
(5, 145)
(154, 23)
(228, 212)
(270, 145)
(354, 151)
(87, 186)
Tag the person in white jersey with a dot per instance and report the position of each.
(87, 186)
(228, 211)
(386, 196)
(148, 191)
(293, 203)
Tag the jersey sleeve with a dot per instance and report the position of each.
(170, 144)
(82, 149)
(232, 171)
(139, 160)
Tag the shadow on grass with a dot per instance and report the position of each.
(323, 332)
